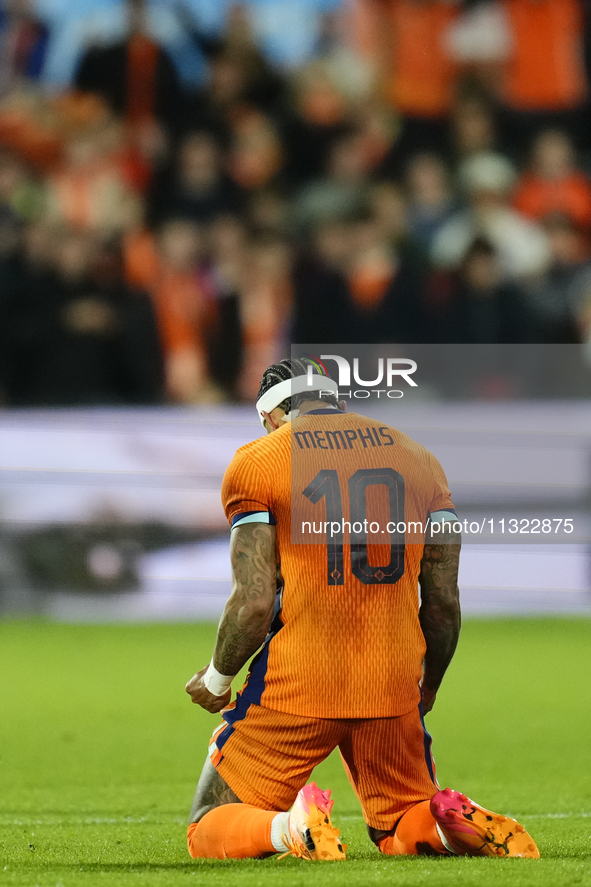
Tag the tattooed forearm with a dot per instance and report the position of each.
(249, 610)
(440, 608)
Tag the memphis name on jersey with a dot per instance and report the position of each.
(344, 439)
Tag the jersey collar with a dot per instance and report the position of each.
(323, 411)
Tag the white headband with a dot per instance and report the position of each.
(296, 385)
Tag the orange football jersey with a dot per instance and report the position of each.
(350, 498)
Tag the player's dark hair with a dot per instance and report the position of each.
(287, 369)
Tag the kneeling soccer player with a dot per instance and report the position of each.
(346, 656)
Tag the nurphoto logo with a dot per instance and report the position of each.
(388, 370)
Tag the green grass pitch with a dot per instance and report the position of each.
(100, 750)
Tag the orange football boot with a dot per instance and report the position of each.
(311, 833)
(468, 829)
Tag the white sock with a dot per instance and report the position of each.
(279, 827)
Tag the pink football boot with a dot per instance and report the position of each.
(468, 829)
(311, 833)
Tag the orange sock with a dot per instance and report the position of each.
(416, 833)
(233, 831)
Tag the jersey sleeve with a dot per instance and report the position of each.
(246, 493)
(441, 497)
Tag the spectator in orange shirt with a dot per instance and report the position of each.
(135, 76)
(545, 82)
(166, 266)
(415, 68)
(554, 184)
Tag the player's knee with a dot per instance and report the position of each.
(197, 813)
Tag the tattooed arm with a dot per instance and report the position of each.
(440, 612)
(248, 612)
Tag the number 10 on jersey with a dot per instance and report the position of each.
(326, 486)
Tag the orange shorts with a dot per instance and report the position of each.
(266, 757)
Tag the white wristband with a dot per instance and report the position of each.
(217, 683)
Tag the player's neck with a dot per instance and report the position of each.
(309, 405)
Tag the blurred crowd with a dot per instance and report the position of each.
(419, 173)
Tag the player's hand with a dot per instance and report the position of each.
(200, 695)
(429, 697)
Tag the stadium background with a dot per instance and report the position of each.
(186, 189)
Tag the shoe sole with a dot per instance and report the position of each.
(322, 838)
(471, 830)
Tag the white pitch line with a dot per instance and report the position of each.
(99, 820)
(144, 820)
(519, 816)
(557, 815)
